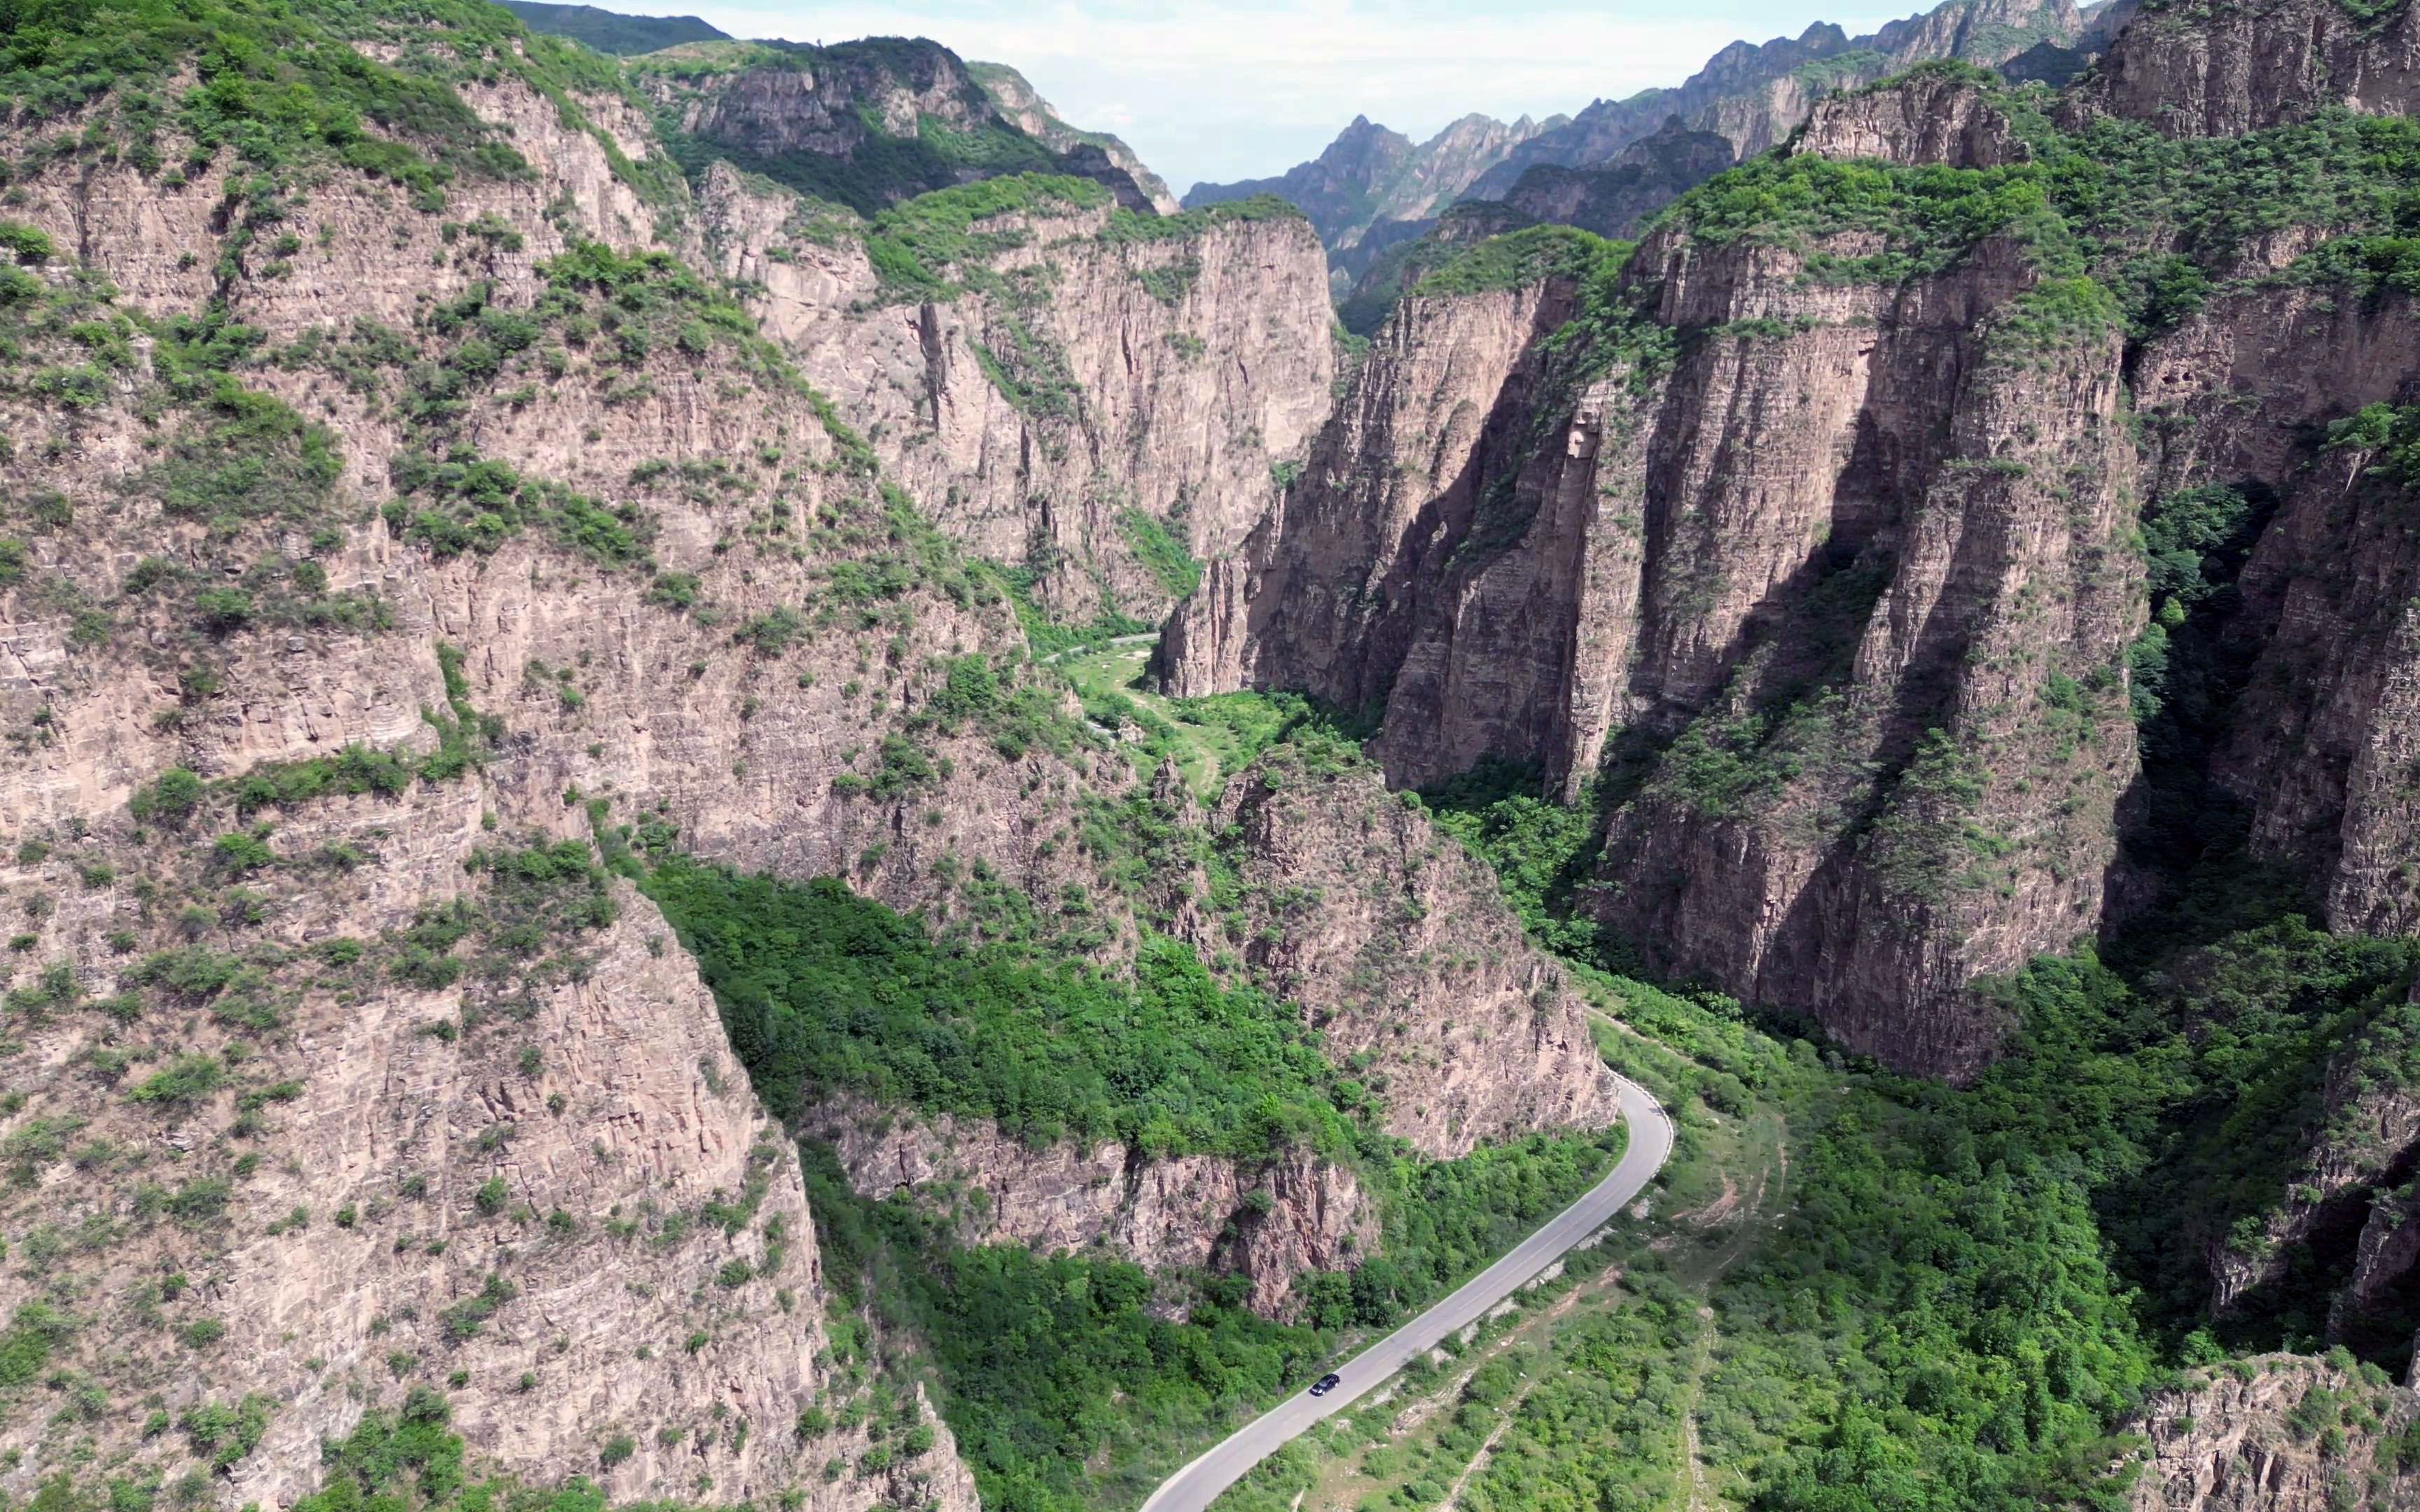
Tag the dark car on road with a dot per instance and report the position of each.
(1323, 1385)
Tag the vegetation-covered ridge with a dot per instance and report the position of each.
(826, 992)
(280, 85)
(1050, 1368)
(2087, 202)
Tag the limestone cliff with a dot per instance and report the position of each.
(2238, 68)
(1101, 401)
(869, 123)
(2279, 1433)
(1844, 559)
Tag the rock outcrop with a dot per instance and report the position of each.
(855, 123)
(2237, 66)
(1102, 399)
(1033, 115)
(2279, 1433)
(1350, 903)
(1272, 1224)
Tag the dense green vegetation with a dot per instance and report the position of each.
(609, 31)
(1521, 258)
(1162, 552)
(826, 993)
(1066, 1384)
(2087, 200)
(1049, 1364)
(1053, 1368)
(1126, 227)
(1973, 1285)
(927, 247)
(283, 86)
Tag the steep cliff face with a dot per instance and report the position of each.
(1273, 1224)
(2318, 746)
(1349, 902)
(1847, 559)
(870, 123)
(1096, 401)
(2276, 1434)
(2239, 68)
(1323, 576)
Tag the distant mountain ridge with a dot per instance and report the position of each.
(1751, 95)
(609, 31)
(1371, 173)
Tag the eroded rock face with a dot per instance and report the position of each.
(519, 1193)
(2238, 68)
(1273, 1223)
(2281, 1434)
(1397, 941)
(1927, 119)
(1155, 385)
(1888, 492)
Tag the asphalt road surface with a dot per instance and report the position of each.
(1198, 1485)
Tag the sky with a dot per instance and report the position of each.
(1219, 90)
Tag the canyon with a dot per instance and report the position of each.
(463, 490)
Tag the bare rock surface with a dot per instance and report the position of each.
(2279, 1433)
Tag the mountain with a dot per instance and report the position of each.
(1339, 190)
(1017, 99)
(726, 784)
(1751, 95)
(1754, 96)
(1615, 198)
(611, 32)
(867, 124)
(1369, 175)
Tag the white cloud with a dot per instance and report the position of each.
(1223, 91)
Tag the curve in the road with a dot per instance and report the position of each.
(1198, 1485)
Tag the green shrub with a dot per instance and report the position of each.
(28, 244)
(185, 1080)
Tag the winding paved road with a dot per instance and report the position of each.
(1198, 1485)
